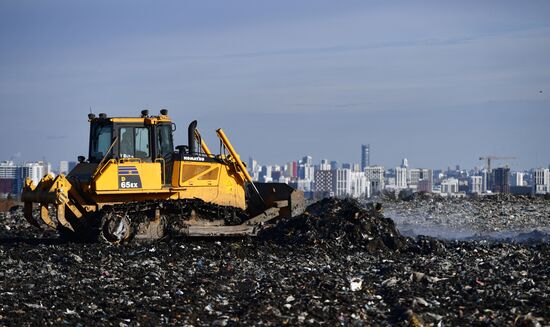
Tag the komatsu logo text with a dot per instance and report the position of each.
(193, 158)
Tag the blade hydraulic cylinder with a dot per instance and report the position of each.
(237, 159)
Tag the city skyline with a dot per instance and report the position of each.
(505, 162)
(327, 178)
(439, 83)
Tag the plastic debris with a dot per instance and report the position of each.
(356, 284)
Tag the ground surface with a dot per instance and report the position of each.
(365, 276)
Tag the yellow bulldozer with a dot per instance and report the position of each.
(135, 185)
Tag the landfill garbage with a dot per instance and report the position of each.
(498, 216)
(342, 223)
(324, 277)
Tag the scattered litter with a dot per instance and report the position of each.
(356, 284)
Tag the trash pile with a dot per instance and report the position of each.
(499, 216)
(287, 276)
(338, 222)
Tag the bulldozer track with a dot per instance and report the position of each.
(161, 219)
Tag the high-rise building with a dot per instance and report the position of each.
(288, 170)
(13, 176)
(485, 181)
(265, 174)
(476, 184)
(449, 186)
(306, 172)
(420, 174)
(375, 178)
(401, 177)
(325, 165)
(359, 186)
(365, 156)
(254, 169)
(325, 181)
(518, 178)
(542, 180)
(343, 182)
(8, 170)
(35, 171)
(501, 180)
(8, 177)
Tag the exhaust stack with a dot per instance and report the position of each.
(191, 137)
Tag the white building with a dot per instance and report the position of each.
(265, 174)
(518, 179)
(325, 165)
(343, 182)
(476, 184)
(375, 178)
(359, 186)
(401, 177)
(18, 173)
(35, 171)
(8, 170)
(254, 169)
(449, 186)
(484, 181)
(308, 172)
(542, 180)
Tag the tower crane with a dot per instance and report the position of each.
(489, 158)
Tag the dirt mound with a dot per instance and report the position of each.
(338, 222)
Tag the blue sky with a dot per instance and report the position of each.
(440, 83)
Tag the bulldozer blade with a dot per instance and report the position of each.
(275, 195)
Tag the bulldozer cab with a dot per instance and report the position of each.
(144, 140)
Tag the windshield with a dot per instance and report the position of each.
(100, 140)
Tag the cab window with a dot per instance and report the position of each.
(142, 142)
(164, 140)
(134, 142)
(101, 140)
